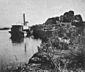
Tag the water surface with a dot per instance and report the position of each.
(16, 52)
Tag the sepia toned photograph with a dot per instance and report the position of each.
(42, 35)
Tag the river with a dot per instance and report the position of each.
(18, 51)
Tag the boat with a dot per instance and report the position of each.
(19, 30)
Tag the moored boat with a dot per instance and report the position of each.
(20, 30)
(17, 31)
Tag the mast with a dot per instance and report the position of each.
(24, 18)
(24, 21)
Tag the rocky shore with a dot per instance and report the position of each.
(62, 48)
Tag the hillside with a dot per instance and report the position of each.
(62, 43)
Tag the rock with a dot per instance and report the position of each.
(42, 60)
(52, 20)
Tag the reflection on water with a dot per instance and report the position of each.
(16, 40)
(17, 37)
(12, 50)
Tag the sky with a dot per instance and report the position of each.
(37, 11)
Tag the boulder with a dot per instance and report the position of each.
(43, 61)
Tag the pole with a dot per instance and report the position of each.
(24, 18)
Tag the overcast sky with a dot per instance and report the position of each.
(37, 11)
